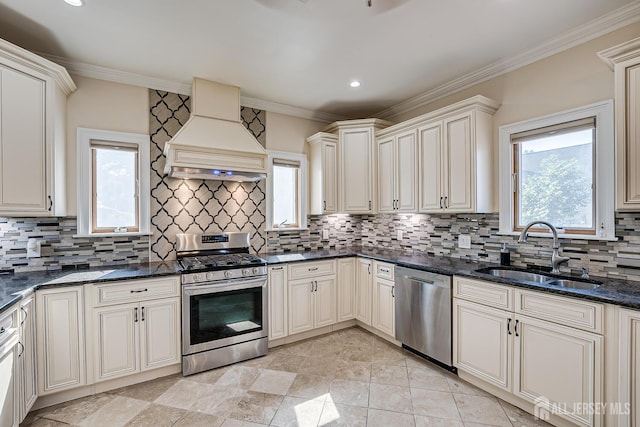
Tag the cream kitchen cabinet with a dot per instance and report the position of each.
(27, 362)
(323, 164)
(278, 302)
(397, 171)
(544, 349)
(456, 156)
(629, 368)
(346, 289)
(136, 326)
(312, 295)
(60, 339)
(624, 59)
(9, 369)
(364, 290)
(33, 95)
(383, 311)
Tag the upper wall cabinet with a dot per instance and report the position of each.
(624, 59)
(33, 93)
(323, 161)
(397, 171)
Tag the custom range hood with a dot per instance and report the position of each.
(213, 143)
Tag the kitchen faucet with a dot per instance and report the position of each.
(556, 259)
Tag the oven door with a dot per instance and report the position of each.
(223, 313)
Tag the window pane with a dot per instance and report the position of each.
(285, 196)
(555, 179)
(115, 188)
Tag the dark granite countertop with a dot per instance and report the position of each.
(612, 291)
(13, 285)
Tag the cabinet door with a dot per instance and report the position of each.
(386, 175)
(346, 289)
(430, 147)
(482, 339)
(324, 297)
(330, 177)
(277, 302)
(356, 172)
(628, 118)
(23, 154)
(384, 306)
(9, 376)
(159, 324)
(27, 360)
(300, 305)
(406, 172)
(363, 290)
(459, 171)
(116, 341)
(629, 367)
(60, 339)
(558, 365)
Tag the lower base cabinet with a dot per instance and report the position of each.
(278, 327)
(9, 370)
(27, 361)
(383, 311)
(364, 290)
(346, 303)
(629, 368)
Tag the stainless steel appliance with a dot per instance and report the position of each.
(423, 313)
(224, 301)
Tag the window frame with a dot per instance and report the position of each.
(302, 189)
(86, 139)
(603, 176)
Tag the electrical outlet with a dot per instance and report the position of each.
(325, 234)
(464, 241)
(399, 234)
(33, 248)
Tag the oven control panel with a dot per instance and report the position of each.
(222, 275)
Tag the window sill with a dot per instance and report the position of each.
(561, 236)
(127, 234)
(288, 229)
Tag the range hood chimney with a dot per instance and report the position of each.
(213, 143)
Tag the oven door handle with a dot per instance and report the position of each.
(223, 286)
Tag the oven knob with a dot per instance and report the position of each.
(228, 274)
(256, 271)
(210, 276)
(198, 277)
(246, 272)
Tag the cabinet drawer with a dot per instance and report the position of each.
(303, 270)
(384, 270)
(585, 315)
(8, 324)
(137, 290)
(487, 293)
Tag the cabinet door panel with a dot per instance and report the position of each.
(559, 364)
(330, 177)
(325, 301)
(357, 177)
(386, 175)
(346, 289)
(300, 306)
(430, 143)
(363, 290)
(115, 332)
(629, 367)
(277, 302)
(159, 333)
(406, 172)
(384, 306)
(23, 153)
(481, 342)
(460, 169)
(29, 389)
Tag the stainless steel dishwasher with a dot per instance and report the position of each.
(423, 313)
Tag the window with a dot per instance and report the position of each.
(286, 190)
(113, 183)
(560, 169)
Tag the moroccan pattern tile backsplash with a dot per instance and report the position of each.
(193, 206)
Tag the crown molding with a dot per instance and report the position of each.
(593, 29)
(275, 107)
(620, 53)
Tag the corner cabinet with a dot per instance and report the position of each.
(323, 166)
(33, 94)
(397, 172)
(624, 59)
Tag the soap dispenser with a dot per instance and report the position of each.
(505, 255)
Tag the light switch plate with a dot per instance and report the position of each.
(464, 241)
(325, 234)
(399, 234)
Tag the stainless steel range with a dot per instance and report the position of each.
(224, 301)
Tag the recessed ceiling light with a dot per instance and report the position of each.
(354, 83)
(75, 2)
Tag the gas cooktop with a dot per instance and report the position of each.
(219, 262)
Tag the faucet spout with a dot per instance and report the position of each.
(556, 259)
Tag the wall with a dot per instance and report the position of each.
(288, 133)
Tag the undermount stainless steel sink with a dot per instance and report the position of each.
(531, 277)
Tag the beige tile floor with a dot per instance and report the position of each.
(347, 378)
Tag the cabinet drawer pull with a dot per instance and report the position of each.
(276, 268)
(515, 328)
(24, 319)
(393, 292)
(2, 330)
(312, 269)
(441, 202)
(446, 206)
(142, 314)
(21, 349)
(50, 203)
(384, 270)
(135, 315)
(509, 326)
(137, 291)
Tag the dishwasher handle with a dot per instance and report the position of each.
(419, 282)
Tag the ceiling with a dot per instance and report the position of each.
(301, 53)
